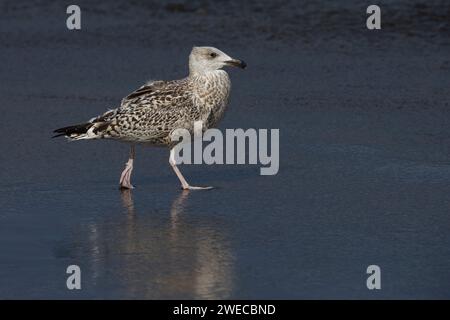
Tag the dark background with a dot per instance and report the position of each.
(364, 152)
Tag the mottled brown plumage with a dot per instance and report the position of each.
(151, 113)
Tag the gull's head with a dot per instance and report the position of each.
(205, 59)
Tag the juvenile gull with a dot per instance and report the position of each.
(150, 114)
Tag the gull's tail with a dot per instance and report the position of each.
(76, 132)
(96, 128)
(88, 130)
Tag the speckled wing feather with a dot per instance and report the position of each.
(148, 114)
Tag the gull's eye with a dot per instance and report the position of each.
(213, 54)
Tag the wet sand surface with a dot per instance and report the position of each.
(364, 153)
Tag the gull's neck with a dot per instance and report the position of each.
(206, 74)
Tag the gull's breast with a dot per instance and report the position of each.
(211, 94)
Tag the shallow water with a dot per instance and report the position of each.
(364, 173)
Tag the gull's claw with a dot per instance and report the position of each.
(196, 188)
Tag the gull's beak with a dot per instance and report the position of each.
(236, 63)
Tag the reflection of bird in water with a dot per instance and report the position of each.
(150, 114)
(170, 258)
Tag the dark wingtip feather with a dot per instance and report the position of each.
(58, 135)
(76, 129)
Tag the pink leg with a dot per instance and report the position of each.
(184, 184)
(125, 177)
